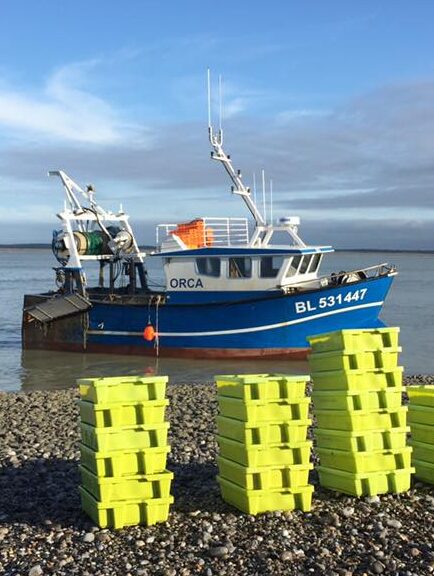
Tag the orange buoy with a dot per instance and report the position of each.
(149, 333)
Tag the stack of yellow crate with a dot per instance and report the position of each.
(361, 423)
(264, 454)
(421, 417)
(124, 450)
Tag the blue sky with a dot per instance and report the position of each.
(334, 100)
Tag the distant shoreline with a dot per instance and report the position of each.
(367, 250)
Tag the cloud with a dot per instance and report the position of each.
(64, 110)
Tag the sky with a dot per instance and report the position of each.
(333, 100)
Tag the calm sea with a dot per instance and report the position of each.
(409, 306)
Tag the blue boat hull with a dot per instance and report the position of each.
(273, 324)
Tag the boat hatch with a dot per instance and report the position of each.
(58, 307)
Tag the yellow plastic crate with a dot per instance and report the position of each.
(358, 380)
(127, 488)
(420, 415)
(354, 401)
(359, 462)
(264, 477)
(366, 484)
(422, 433)
(423, 451)
(364, 441)
(421, 395)
(360, 340)
(128, 438)
(256, 411)
(358, 421)
(120, 513)
(266, 387)
(254, 456)
(123, 413)
(122, 463)
(123, 389)
(260, 501)
(327, 361)
(266, 433)
(424, 471)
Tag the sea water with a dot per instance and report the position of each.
(409, 306)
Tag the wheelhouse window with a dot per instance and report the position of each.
(305, 264)
(315, 263)
(293, 267)
(240, 268)
(208, 266)
(270, 266)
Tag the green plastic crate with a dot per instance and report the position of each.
(358, 421)
(123, 413)
(326, 361)
(358, 380)
(266, 433)
(423, 451)
(260, 501)
(122, 463)
(360, 340)
(120, 513)
(354, 401)
(422, 433)
(264, 478)
(366, 484)
(256, 411)
(364, 441)
(420, 415)
(255, 456)
(123, 389)
(127, 488)
(424, 471)
(265, 387)
(421, 395)
(360, 462)
(128, 438)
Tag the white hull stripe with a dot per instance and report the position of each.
(243, 330)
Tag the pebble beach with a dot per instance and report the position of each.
(43, 530)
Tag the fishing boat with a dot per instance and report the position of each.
(234, 287)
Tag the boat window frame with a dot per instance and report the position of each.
(207, 274)
(289, 267)
(318, 257)
(308, 259)
(228, 267)
(278, 270)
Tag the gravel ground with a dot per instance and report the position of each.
(43, 531)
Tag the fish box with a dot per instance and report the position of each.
(326, 361)
(127, 488)
(361, 340)
(361, 421)
(264, 478)
(260, 501)
(257, 411)
(420, 415)
(254, 456)
(359, 462)
(366, 484)
(422, 433)
(121, 463)
(421, 395)
(355, 401)
(265, 387)
(424, 471)
(363, 441)
(358, 380)
(266, 433)
(123, 389)
(119, 414)
(120, 513)
(127, 438)
(422, 451)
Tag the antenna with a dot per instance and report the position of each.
(209, 102)
(254, 187)
(271, 201)
(220, 109)
(263, 195)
